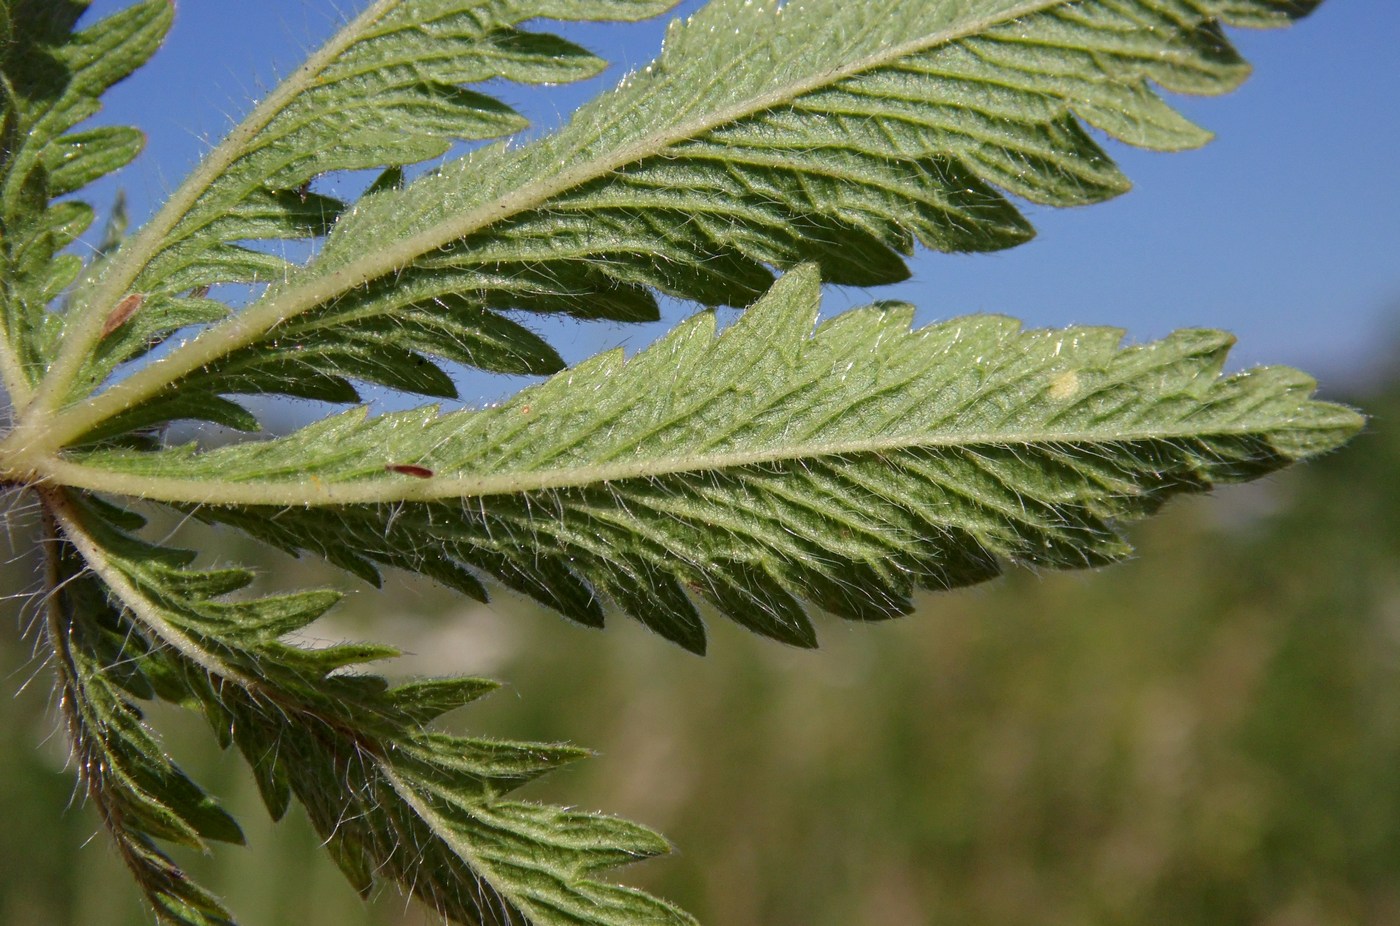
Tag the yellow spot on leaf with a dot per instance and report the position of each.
(1065, 386)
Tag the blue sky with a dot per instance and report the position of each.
(1284, 230)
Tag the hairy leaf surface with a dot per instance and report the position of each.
(768, 465)
(386, 91)
(393, 800)
(765, 135)
(137, 791)
(770, 133)
(52, 81)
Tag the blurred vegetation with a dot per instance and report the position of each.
(1207, 735)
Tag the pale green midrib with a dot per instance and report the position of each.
(480, 867)
(81, 333)
(136, 603)
(311, 491)
(275, 309)
(132, 599)
(71, 679)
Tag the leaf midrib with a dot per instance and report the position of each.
(276, 308)
(131, 598)
(459, 847)
(311, 491)
(81, 334)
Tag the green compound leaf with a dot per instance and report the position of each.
(137, 791)
(386, 91)
(395, 802)
(765, 135)
(51, 80)
(767, 465)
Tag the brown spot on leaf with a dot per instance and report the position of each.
(410, 469)
(122, 313)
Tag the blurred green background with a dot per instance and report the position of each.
(1209, 734)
